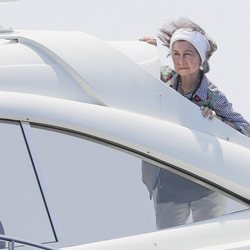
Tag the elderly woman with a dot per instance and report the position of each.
(175, 197)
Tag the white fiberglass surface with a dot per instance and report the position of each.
(24, 68)
(97, 190)
(22, 210)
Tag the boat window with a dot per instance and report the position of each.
(99, 193)
(23, 213)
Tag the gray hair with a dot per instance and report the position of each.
(169, 28)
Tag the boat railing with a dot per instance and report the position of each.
(11, 243)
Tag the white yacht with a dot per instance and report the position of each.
(77, 117)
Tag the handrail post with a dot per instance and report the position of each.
(11, 245)
(12, 241)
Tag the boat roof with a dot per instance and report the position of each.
(77, 66)
(73, 80)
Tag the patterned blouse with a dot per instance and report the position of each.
(208, 95)
(175, 188)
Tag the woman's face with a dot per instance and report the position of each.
(186, 58)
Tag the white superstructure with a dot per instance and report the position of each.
(77, 117)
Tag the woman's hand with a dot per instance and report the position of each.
(207, 112)
(149, 39)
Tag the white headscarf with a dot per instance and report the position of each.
(198, 40)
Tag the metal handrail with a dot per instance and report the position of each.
(11, 243)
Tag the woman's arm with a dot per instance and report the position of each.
(149, 39)
(225, 111)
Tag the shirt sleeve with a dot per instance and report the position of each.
(224, 110)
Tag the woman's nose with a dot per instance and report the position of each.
(181, 59)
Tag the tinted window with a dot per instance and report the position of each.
(97, 190)
(23, 212)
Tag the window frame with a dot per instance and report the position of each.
(19, 126)
(149, 158)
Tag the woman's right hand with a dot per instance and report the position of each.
(207, 112)
(149, 39)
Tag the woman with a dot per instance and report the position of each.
(175, 197)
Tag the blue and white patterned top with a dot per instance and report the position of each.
(175, 188)
(208, 95)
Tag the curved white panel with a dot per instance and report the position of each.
(141, 53)
(218, 161)
(230, 232)
(114, 80)
(41, 79)
(13, 53)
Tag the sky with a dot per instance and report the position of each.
(226, 21)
